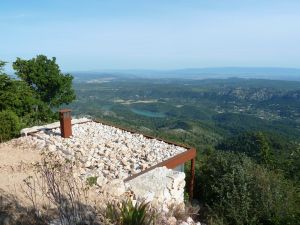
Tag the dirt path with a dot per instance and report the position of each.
(16, 163)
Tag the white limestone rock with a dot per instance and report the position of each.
(158, 182)
(101, 180)
(51, 148)
(190, 221)
(115, 187)
(172, 220)
(183, 223)
(88, 164)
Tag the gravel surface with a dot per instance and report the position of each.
(106, 151)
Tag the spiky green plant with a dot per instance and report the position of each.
(128, 213)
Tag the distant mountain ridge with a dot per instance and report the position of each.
(273, 73)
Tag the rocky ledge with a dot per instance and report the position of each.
(106, 151)
(111, 155)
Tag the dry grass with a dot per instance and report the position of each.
(182, 212)
(62, 192)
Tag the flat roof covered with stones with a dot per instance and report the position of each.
(106, 151)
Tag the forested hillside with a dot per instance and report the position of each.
(187, 107)
(246, 131)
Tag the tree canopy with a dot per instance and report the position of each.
(45, 78)
(30, 99)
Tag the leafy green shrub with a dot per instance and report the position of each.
(9, 125)
(91, 181)
(238, 191)
(128, 213)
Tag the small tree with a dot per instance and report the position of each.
(45, 78)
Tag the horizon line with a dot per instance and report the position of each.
(186, 68)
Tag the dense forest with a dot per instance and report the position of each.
(246, 131)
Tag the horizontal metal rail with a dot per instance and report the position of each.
(169, 163)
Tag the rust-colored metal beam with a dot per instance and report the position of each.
(65, 123)
(169, 163)
(192, 179)
(180, 158)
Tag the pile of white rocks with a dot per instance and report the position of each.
(106, 151)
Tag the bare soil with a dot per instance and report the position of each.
(16, 164)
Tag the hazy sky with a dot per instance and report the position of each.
(152, 34)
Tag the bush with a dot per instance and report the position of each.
(238, 191)
(9, 125)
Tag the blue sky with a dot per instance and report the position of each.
(152, 34)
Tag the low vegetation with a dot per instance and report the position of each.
(236, 190)
(128, 213)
